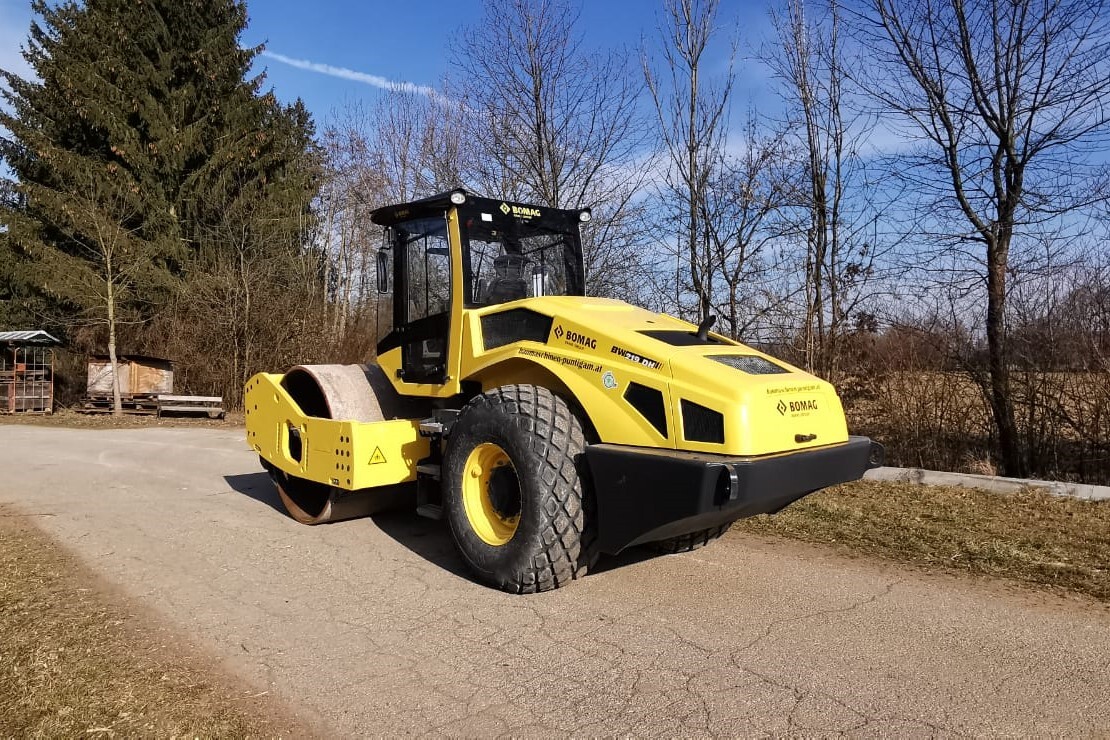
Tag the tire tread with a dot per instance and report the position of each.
(566, 544)
(691, 541)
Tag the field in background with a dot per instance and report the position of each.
(941, 421)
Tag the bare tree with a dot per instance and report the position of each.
(743, 199)
(355, 180)
(1008, 98)
(419, 143)
(252, 300)
(692, 116)
(833, 215)
(106, 266)
(406, 146)
(556, 123)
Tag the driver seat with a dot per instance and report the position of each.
(508, 283)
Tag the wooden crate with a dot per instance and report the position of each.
(138, 376)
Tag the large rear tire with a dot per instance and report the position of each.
(516, 490)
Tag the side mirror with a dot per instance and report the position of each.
(384, 271)
(385, 274)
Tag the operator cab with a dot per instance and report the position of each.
(456, 251)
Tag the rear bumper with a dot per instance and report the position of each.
(651, 494)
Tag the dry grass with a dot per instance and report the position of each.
(1031, 537)
(70, 418)
(75, 663)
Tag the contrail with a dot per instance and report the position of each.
(351, 74)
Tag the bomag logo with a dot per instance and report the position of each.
(795, 407)
(520, 211)
(573, 337)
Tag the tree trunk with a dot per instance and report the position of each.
(695, 196)
(1002, 405)
(248, 329)
(117, 396)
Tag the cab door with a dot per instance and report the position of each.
(422, 298)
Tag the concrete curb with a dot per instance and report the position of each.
(988, 482)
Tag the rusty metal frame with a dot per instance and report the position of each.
(27, 379)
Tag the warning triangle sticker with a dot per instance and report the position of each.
(377, 457)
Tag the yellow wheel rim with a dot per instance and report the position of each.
(491, 494)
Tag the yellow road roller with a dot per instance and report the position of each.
(545, 426)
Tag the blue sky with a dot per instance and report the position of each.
(409, 41)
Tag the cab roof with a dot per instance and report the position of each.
(437, 204)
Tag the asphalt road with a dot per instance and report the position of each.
(372, 627)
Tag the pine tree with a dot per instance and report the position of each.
(141, 133)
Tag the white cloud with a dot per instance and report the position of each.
(343, 73)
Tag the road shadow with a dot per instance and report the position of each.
(426, 538)
(432, 541)
(429, 539)
(631, 556)
(257, 486)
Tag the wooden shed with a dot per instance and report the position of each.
(142, 379)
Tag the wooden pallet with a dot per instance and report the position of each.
(140, 405)
(211, 405)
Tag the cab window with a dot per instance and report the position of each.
(506, 261)
(428, 267)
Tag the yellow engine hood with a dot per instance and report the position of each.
(644, 379)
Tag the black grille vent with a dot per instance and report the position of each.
(679, 338)
(700, 424)
(514, 325)
(649, 402)
(751, 364)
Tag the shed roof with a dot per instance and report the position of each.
(32, 336)
(146, 359)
